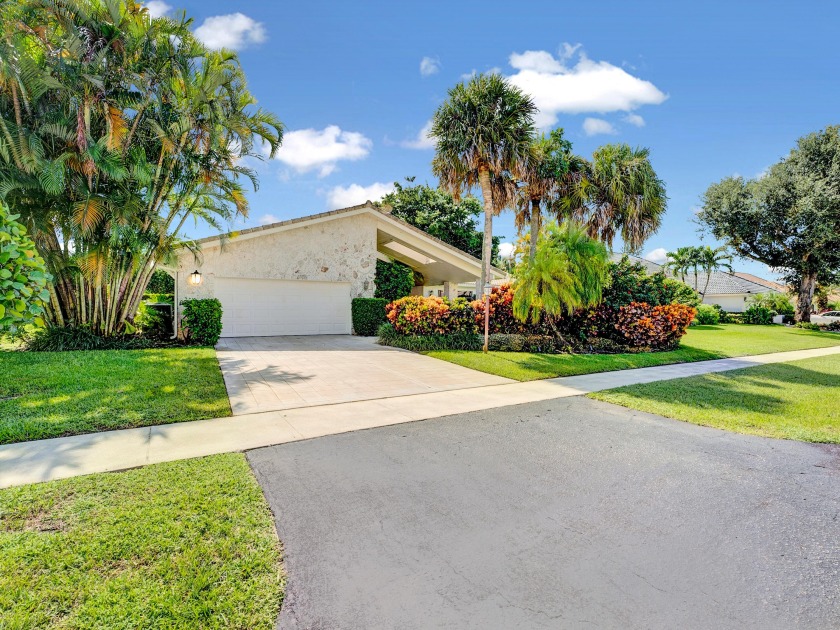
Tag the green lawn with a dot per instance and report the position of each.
(700, 344)
(50, 394)
(796, 401)
(189, 544)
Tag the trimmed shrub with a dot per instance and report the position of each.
(65, 339)
(368, 315)
(723, 316)
(758, 315)
(502, 320)
(656, 327)
(807, 326)
(707, 315)
(417, 315)
(462, 340)
(160, 282)
(522, 343)
(202, 320)
(393, 280)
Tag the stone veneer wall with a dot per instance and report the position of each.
(340, 250)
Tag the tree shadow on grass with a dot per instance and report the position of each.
(734, 392)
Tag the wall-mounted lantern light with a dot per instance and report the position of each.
(195, 278)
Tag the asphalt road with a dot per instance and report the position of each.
(565, 514)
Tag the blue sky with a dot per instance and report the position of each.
(712, 88)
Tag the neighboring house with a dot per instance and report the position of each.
(298, 277)
(732, 291)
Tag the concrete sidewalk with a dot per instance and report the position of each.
(45, 460)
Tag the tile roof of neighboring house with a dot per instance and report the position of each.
(721, 283)
(767, 283)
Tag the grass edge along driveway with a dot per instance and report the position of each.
(54, 394)
(188, 544)
(794, 401)
(702, 343)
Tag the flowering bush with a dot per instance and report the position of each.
(502, 320)
(417, 315)
(657, 327)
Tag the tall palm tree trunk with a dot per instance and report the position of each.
(535, 227)
(487, 249)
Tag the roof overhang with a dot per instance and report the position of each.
(395, 239)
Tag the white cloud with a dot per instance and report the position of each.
(158, 8)
(268, 218)
(354, 194)
(635, 119)
(429, 66)
(422, 141)
(235, 30)
(559, 86)
(506, 250)
(658, 255)
(597, 126)
(310, 149)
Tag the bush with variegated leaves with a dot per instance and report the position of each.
(656, 327)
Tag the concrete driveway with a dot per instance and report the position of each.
(275, 373)
(569, 513)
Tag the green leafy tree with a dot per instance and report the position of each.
(436, 212)
(116, 129)
(569, 271)
(620, 194)
(483, 133)
(788, 219)
(23, 277)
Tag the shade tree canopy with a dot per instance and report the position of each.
(788, 219)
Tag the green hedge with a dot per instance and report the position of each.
(758, 315)
(368, 315)
(707, 315)
(203, 320)
(393, 280)
(425, 343)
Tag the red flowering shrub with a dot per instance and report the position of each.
(658, 327)
(502, 320)
(417, 315)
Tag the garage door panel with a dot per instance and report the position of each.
(260, 308)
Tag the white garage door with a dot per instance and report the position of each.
(263, 308)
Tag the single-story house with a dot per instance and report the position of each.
(731, 291)
(298, 277)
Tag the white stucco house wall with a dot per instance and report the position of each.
(298, 277)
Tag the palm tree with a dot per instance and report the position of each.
(712, 260)
(681, 261)
(546, 169)
(145, 131)
(483, 132)
(569, 271)
(623, 196)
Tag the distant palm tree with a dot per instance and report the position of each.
(681, 261)
(712, 260)
(623, 196)
(569, 271)
(483, 133)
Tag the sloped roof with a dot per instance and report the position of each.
(777, 286)
(721, 283)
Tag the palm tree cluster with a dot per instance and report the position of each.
(696, 259)
(116, 129)
(485, 136)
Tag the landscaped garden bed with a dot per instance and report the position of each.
(189, 544)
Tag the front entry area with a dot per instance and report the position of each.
(264, 308)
